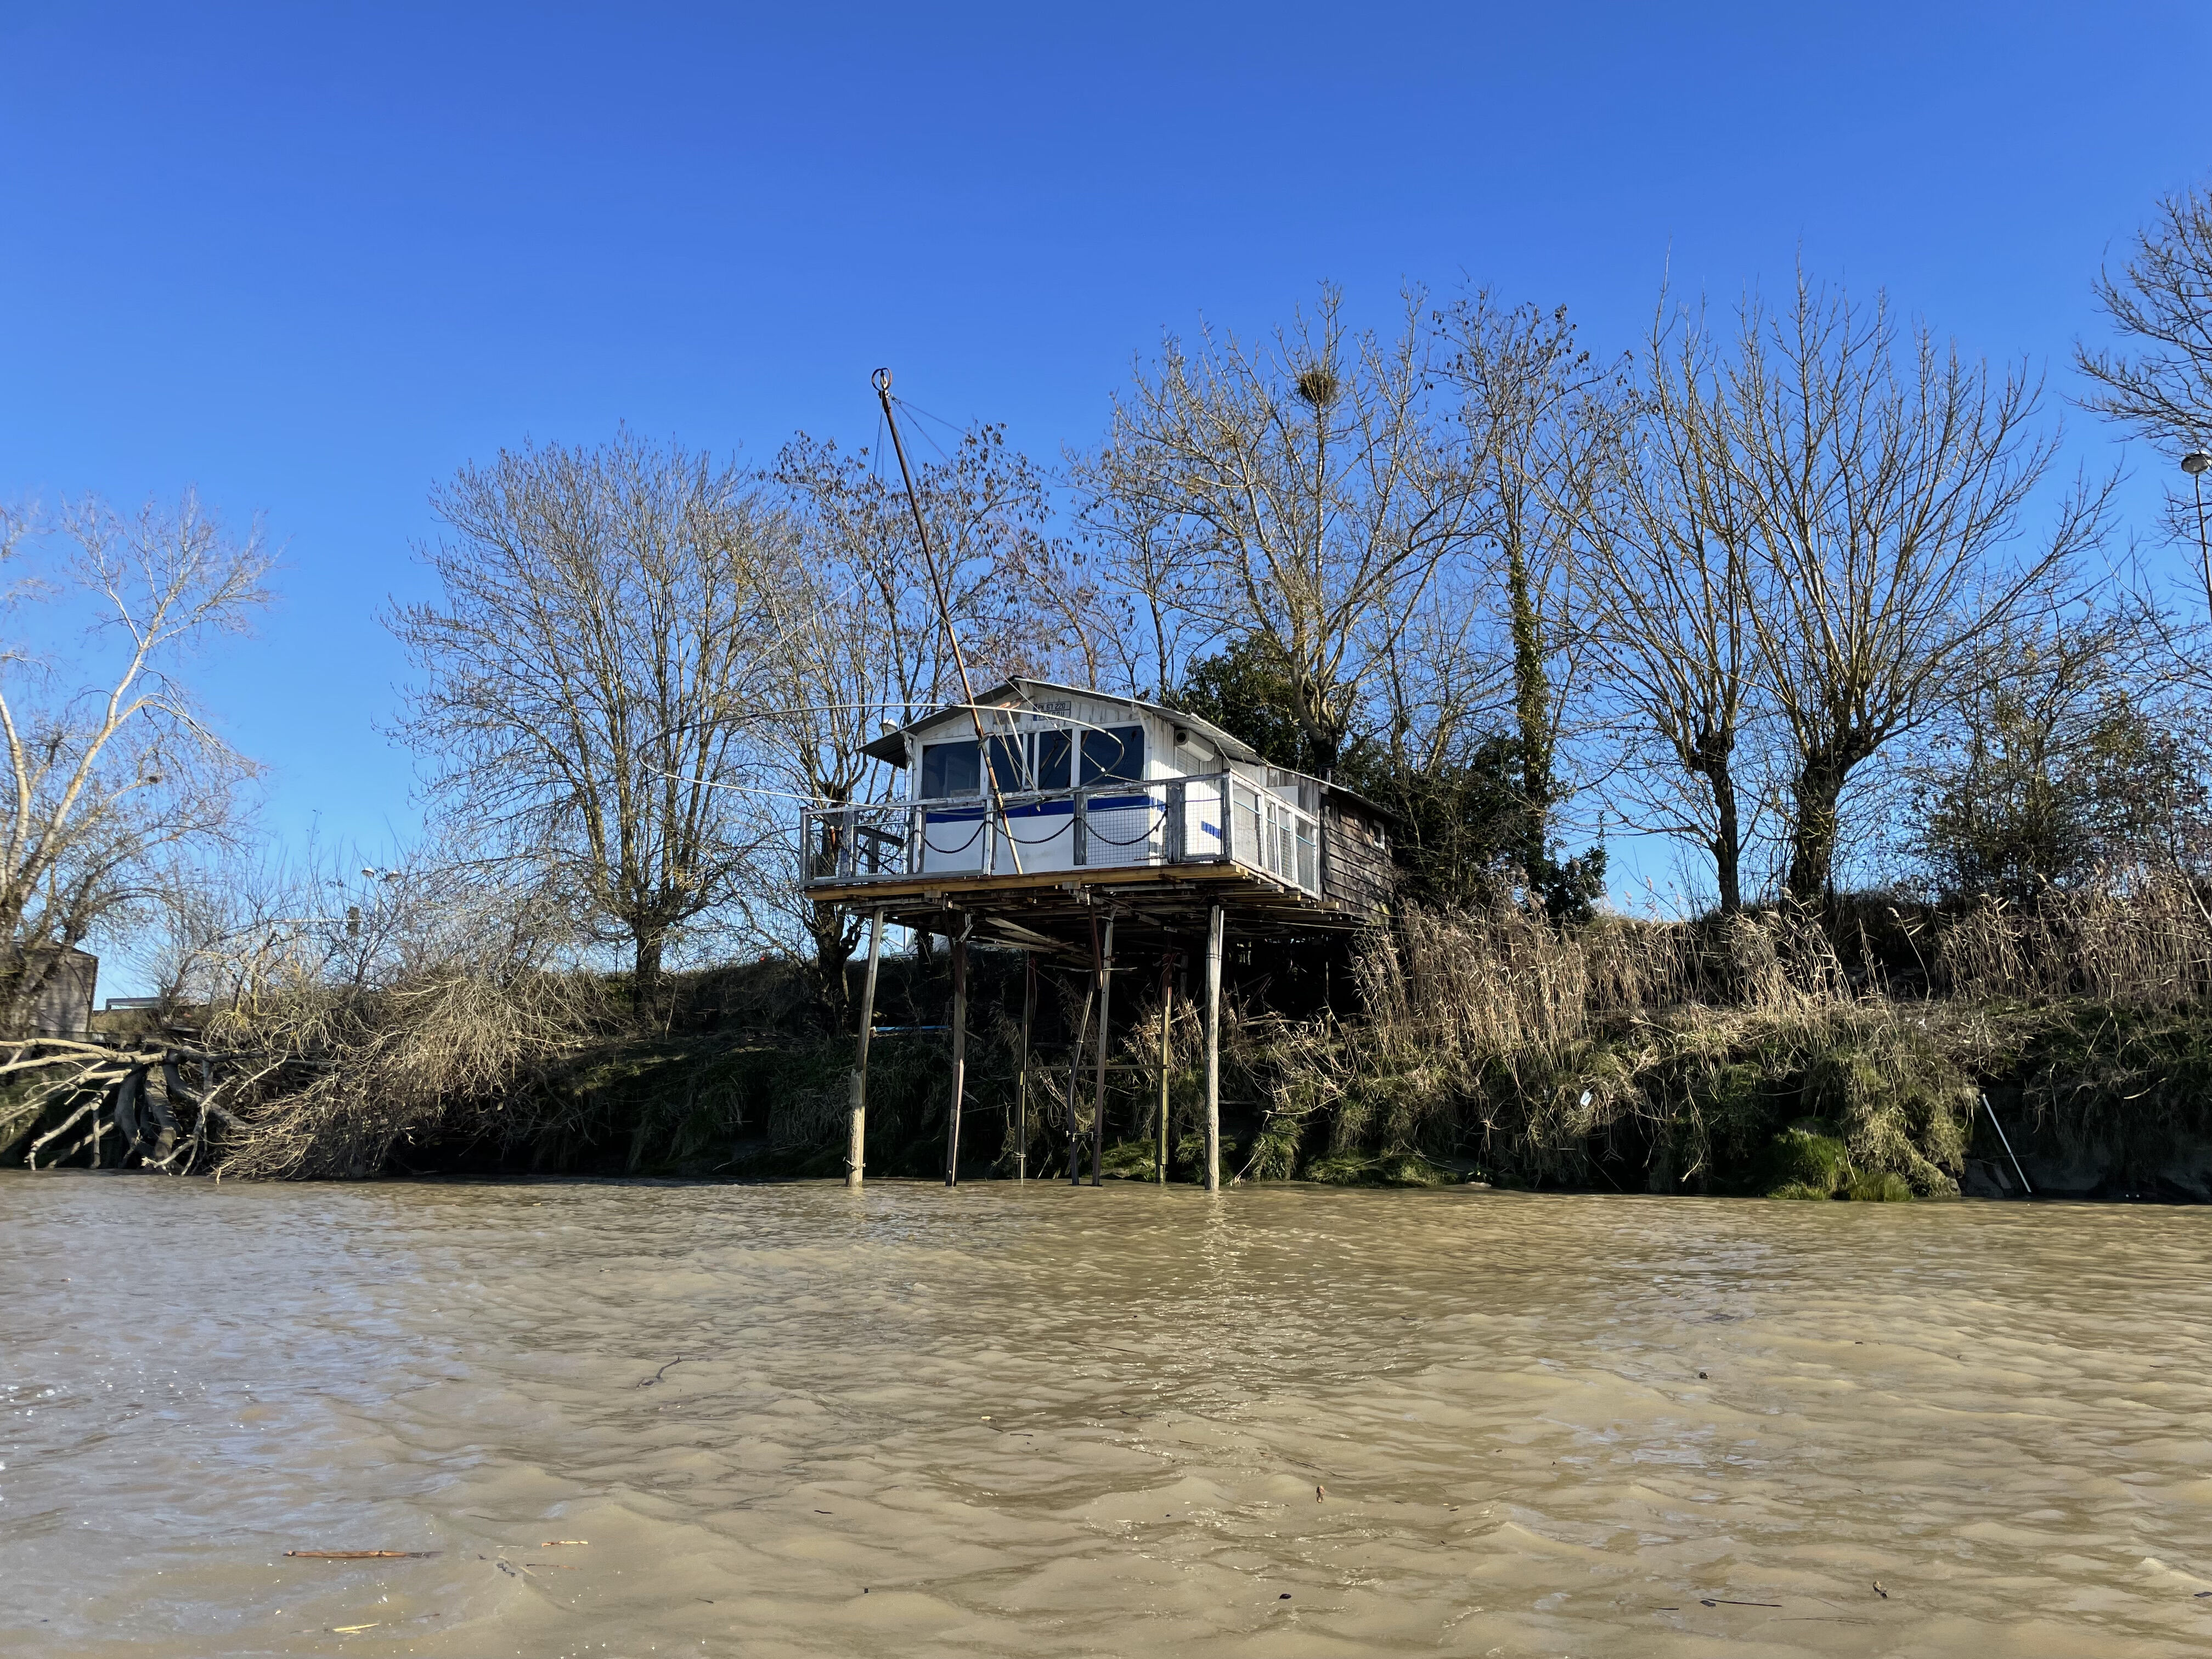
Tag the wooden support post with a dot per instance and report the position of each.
(1213, 1050)
(1075, 1121)
(1105, 1028)
(856, 1140)
(1022, 1077)
(1167, 1049)
(1074, 1071)
(959, 1052)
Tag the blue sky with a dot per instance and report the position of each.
(312, 258)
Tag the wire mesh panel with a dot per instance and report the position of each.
(1111, 825)
(1123, 829)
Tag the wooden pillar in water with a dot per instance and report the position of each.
(959, 1053)
(1074, 1121)
(1105, 1028)
(1213, 1050)
(1022, 1077)
(856, 1143)
(1075, 1072)
(1167, 1049)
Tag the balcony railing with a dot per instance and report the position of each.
(1113, 824)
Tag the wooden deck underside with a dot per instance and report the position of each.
(1054, 910)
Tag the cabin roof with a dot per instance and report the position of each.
(1018, 692)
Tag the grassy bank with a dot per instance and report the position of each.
(1763, 1054)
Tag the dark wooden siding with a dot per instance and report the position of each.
(63, 1006)
(1355, 867)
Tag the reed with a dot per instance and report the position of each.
(1677, 1056)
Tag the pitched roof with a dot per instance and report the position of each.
(1015, 693)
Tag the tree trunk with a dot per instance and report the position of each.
(1819, 788)
(1532, 707)
(645, 972)
(1727, 839)
(832, 955)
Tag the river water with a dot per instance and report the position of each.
(1288, 1421)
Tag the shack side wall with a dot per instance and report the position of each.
(1356, 870)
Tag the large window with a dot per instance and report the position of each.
(1054, 758)
(950, 768)
(1009, 764)
(1055, 751)
(1116, 752)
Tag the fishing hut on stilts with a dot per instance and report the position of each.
(1069, 823)
(1078, 826)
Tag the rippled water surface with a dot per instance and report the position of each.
(1285, 1422)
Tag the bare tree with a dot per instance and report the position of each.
(1667, 588)
(1151, 623)
(857, 641)
(1884, 483)
(2160, 302)
(1296, 493)
(113, 774)
(1535, 409)
(592, 672)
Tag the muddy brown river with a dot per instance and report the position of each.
(631, 1419)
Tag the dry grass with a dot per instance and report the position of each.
(353, 1073)
(1671, 1053)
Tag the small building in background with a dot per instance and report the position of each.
(62, 1007)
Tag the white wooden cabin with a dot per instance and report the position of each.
(1070, 790)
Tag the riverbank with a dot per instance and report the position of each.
(1872, 1054)
(1877, 1100)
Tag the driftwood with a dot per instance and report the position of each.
(138, 1094)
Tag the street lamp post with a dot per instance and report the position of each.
(2195, 463)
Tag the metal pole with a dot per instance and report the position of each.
(1213, 1050)
(882, 381)
(959, 1052)
(2203, 543)
(1105, 1025)
(1022, 1078)
(856, 1144)
(2007, 1142)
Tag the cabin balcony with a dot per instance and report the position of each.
(1123, 833)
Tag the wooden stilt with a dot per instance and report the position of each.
(1022, 1077)
(1167, 1049)
(959, 1053)
(1105, 1029)
(1213, 1050)
(856, 1143)
(1074, 1073)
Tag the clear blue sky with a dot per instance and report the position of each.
(314, 258)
